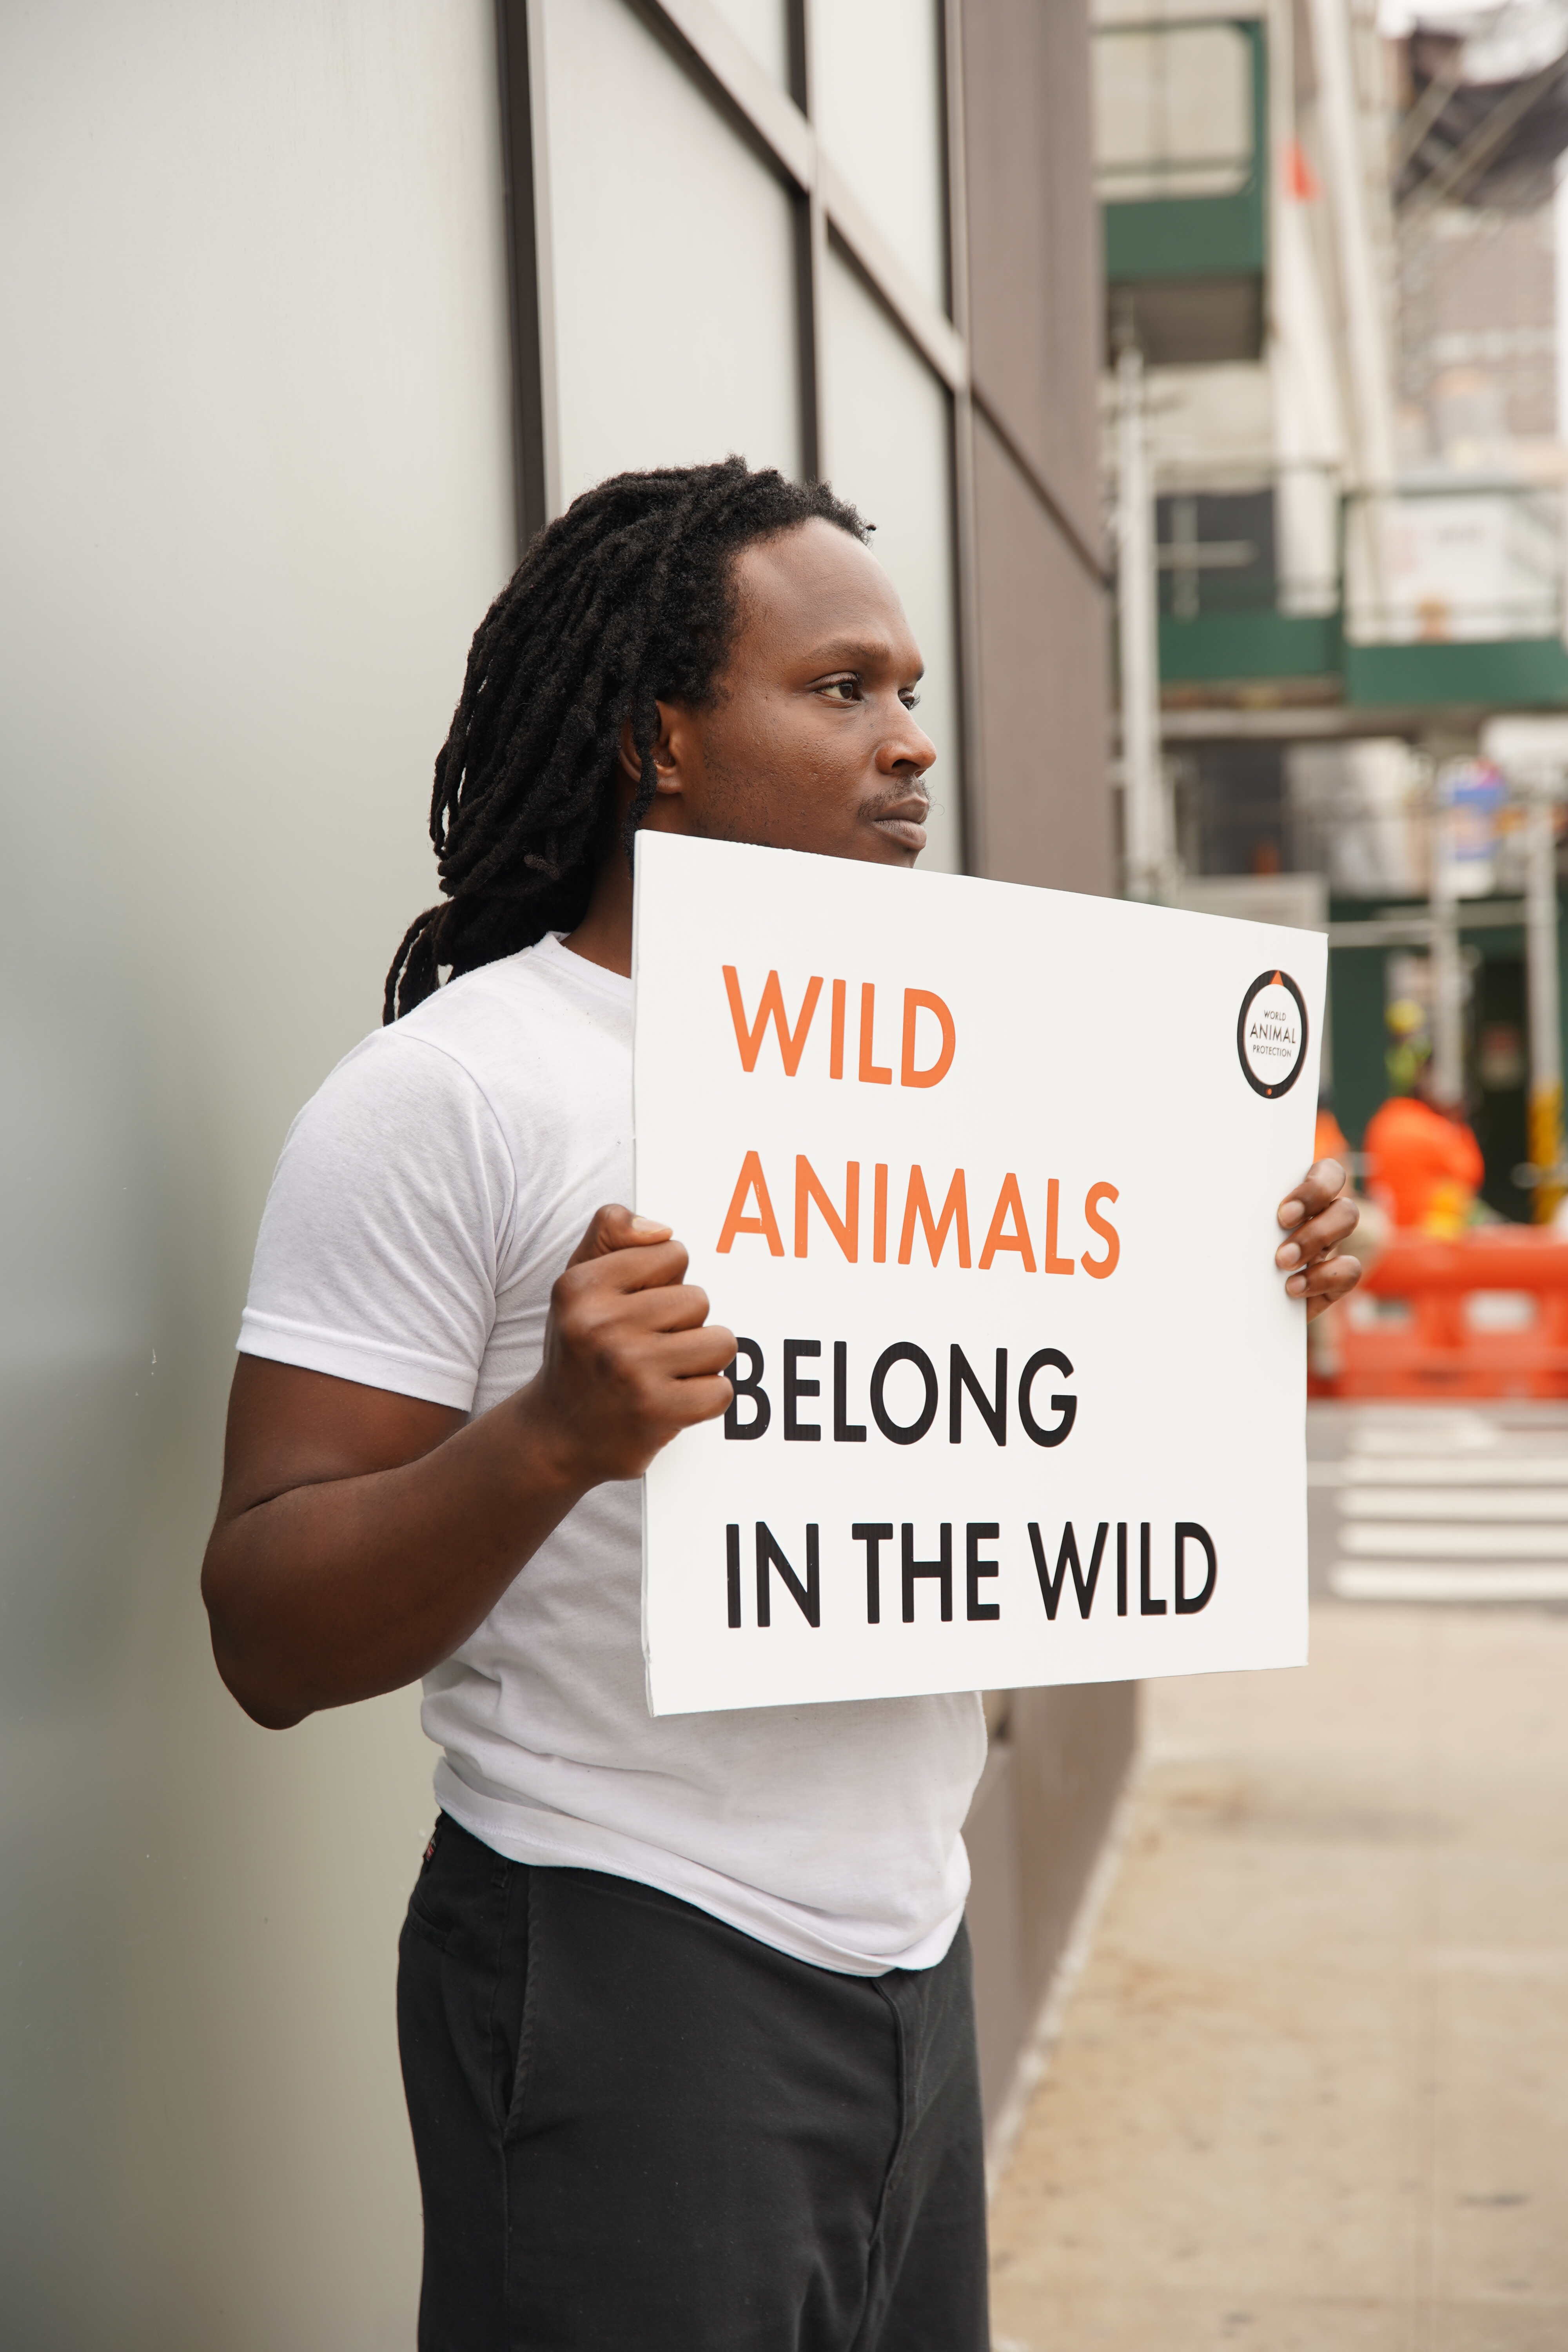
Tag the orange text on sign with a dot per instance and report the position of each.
(933, 1220)
(916, 1041)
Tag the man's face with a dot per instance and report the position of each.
(810, 741)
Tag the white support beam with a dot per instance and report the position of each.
(1447, 1067)
(1545, 1110)
(1145, 826)
(1367, 344)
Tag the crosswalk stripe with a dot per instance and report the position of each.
(1427, 1430)
(1437, 1470)
(1547, 1503)
(1406, 1540)
(1441, 1580)
(1446, 1504)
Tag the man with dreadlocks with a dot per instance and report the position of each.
(684, 2003)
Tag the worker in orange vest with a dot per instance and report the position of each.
(1328, 1139)
(1323, 1353)
(1424, 1165)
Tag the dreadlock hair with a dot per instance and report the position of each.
(625, 601)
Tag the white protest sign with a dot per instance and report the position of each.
(984, 1179)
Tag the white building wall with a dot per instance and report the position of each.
(256, 494)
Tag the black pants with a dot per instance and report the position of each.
(638, 2130)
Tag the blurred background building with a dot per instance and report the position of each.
(317, 311)
(1334, 395)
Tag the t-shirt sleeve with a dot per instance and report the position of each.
(382, 1231)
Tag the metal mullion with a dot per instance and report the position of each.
(811, 245)
(771, 114)
(778, 122)
(971, 829)
(548, 427)
(934, 336)
(814, 436)
(785, 130)
(524, 260)
(799, 70)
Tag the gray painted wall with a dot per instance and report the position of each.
(256, 492)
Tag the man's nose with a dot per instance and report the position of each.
(909, 746)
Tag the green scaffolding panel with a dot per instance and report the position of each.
(1196, 236)
(1507, 673)
(1216, 646)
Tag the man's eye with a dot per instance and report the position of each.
(911, 700)
(848, 688)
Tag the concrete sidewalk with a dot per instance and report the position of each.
(1312, 2090)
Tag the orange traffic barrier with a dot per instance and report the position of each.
(1484, 1316)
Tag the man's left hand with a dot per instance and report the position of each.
(1319, 1215)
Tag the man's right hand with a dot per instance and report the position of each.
(362, 1535)
(630, 1358)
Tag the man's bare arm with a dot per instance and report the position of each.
(362, 1536)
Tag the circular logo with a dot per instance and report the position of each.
(1271, 1034)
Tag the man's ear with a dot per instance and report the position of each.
(667, 750)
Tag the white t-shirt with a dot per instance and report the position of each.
(425, 1201)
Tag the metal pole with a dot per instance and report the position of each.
(1545, 1130)
(1448, 1081)
(1137, 614)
